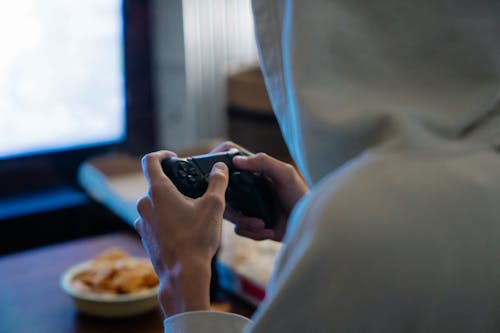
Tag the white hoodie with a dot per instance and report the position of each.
(391, 110)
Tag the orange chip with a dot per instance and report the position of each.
(116, 272)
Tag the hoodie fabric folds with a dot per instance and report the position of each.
(391, 110)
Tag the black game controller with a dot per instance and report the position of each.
(247, 192)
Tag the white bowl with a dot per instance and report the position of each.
(107, 305)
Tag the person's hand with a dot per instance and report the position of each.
(288, 188)
(181, 235)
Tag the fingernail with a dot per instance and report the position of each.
(219, 166)
(240, 157)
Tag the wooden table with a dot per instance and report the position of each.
(32, 301)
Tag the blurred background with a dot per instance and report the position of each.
(101, 83)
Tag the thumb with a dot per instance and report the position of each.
(218, 180)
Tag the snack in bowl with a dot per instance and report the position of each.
(113, 284)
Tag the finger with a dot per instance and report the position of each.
(160, 186)
(145, 210)
(138, 225)
(245, 222)
(262, 235)
(217, 183)
(151, 165)
(225, 146)
(145, 207)
(280, 172)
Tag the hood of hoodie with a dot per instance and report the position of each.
(349, 76)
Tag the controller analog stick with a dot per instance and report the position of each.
(247, 192)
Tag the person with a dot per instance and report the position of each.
(391, 112)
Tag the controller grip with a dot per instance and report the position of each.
(247, 192)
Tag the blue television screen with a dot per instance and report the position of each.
(61, 75)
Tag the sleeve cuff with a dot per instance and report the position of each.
(205, 321)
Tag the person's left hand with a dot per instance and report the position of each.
(181, 235)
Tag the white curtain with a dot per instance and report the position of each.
(191, 78)
(219, 37)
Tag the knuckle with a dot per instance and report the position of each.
(261, 156)
(261, 159)
(287, 172)
(215, 201)
(288, 169)
(147, 159)
(142, 205)
(219, 175)
(228, 144)
(139, 226)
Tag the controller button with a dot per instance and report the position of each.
(184, 166)
(182, 173)
(191, 179)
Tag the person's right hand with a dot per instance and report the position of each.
(288, 188)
